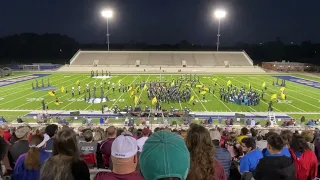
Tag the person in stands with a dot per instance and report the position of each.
(250, 160)
(309, 137)
(28, 165)
(244, 134)
(50, 130)
(105, 147)
(143, 139)
(65, 162)
(88, 149)
(204, 165)
(164, 156)
(276, 166)
(222, 154)
(6, 133)
(124, 160)
(305, 160)
(21, 146)
(286, 135)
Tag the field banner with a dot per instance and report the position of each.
(15, 80)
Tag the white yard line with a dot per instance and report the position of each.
(44, 96)
(222, 101)
(295, 85)
(23, 85)
(270, 96)
(277, 90)
(260, 101)
(108, 91)
(23, 89)
(199, 99)
(34, 92)
(124, 93)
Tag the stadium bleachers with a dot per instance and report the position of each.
(161, 58)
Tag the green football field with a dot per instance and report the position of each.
(21, 96)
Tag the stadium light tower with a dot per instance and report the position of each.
(107, 14)
(219, 14)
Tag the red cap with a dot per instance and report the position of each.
(145, 131)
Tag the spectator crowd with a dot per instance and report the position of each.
(196, 153)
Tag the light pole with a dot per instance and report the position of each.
(219, 14)
(107, 14)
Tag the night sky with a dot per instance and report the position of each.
(165, 21)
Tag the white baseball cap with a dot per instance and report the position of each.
(124, 146)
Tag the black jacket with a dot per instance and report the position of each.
(275, 168)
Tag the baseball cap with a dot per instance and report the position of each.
(22, 131)
(145, 131)
(215, 135)
(124, 146)
(164, 155)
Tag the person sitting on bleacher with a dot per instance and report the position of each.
(88, 149)
(124, 159)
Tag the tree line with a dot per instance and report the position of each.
(56, 48)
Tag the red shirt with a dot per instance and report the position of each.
(114, 176)
(6, 135)
(105, 149)
(219, 173)
(306, 165)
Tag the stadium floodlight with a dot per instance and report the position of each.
(107, 14)
(219, 14)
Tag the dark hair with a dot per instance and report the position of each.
(249, 142)
(286, 136)
(119, 131)
(51, 130)
(32, 159)
(298, 144)
(253, 132)
(244, 131)
(88, 135)
(216, 142)
(201, 150)
(170, 178)
(65, 143)
(269, 134)
(276, 142)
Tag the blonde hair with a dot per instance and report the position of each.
(307, 135)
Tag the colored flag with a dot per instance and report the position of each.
(154, 100)
(130, 88)
(172, 84)
(119, 81)
(136, 100)
(214, 79)
(145, 87)
(191, 99)
(228, 83)
(249, 85)
(57, 103)
(282, 89)
(274, 96)
(199, 86)
(132, 93)
(50, 93)
(264, 84)
(62, 89)
(205, 89)
(77, 83)
(283, 96)
(203, 92)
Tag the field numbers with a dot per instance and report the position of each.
(1, 98)
(33, 99)
(203, 101)
(82, 99)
